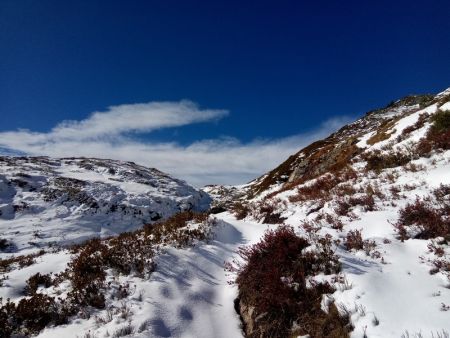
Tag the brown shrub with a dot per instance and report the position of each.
(419, 124)
(272, 278)
(87, 274)
(20, 261)
(35, 281)
(7, 311)
(175, 231)
(438, 136)
(240, 210)
(267, 212)
(325, 186)
(378, 160)
(335, 222)
(427, 218)
(354, 240)
(129, 252)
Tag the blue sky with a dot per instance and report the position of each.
(270, 76)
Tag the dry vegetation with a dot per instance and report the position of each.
(274, 279)
(426, 218)
(128, 253)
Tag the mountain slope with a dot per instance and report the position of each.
(59, 201)
(368, 210)
(379, 189)
(339, 148)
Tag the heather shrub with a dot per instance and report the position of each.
(426, 218)
(273, 279)
(438, 136)
(87, 274)
(240, 210)
(441, 120)
(266, 211)
(19, 261)
(7, 325)
(377, 160)
(36, 312)
(335, 222)
(419, 124)
(324, 186)
(128, 252)
(354, 240)
(175, 230)
(35, 281)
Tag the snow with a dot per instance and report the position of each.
(126, 196)
(445, 106)
(187, 296)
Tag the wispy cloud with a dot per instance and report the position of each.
(109, 135)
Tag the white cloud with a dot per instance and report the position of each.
(106, 135)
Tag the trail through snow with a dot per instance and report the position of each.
(188, 295)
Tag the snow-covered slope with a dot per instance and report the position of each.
(385, 177)
(357, 188)
(47, 201)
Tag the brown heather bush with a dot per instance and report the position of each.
(377, 160)
(31, 315)
(240, 210)
(20, 261)
(438, 136)
(344, 205)
(354, 241)
(273, 280)
(428, 217)
(325, 186)
(174, 230)
(335, 222)
(87, 274)
(126, 253)
(419, 124)
(35, 281)
(266, 211)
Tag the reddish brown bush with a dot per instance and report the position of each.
(378, 160)
(35, 281)
(325, 186)
(438, 136)
(240, 210)
(427, 218)
(419, 124)
(87, 274)
(335, 222)
(175, 231)
(268, 212)
(19, 261)
(272, 278)
(7, 311)
(31, 315)
(354, 240)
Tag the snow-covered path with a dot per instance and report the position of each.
(188, 295)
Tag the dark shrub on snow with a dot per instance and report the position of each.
(273, 279)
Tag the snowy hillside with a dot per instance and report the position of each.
(347, 238)
(379, 189)
(46, 201)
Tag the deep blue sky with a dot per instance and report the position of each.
(281, 67)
